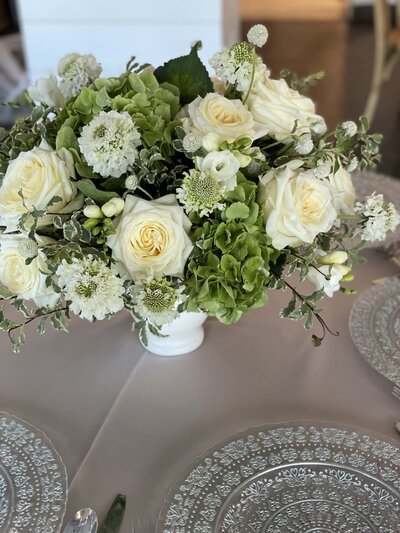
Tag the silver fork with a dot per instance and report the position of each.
(143, 525)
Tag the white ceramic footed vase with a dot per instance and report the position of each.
(184, 335)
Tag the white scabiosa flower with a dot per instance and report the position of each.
(77, 71)
(304, 144)
(109, 143)
(200, 192)
(91, 288)
(157, 300)
(380, 217)
(258, 35)
(349, 128)
(192, 142)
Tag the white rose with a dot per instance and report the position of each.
(151, 237)
(46, 91)
(221, 165)
(328, 274)
(297, 205)
(277, 107)
(26, 281)
(40, 174)
(228, 120)
(343, 192)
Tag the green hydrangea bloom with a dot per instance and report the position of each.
(228, 272)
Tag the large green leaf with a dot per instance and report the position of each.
(188, 74)
(89, 189)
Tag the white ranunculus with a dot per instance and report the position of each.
(41, 174)
(221, 165)
(228, 120)
(151, 238)
(26, 281)
(277, 107)
(297, 205)
(343, 192)
(46, 91)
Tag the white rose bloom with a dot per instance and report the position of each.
(40, 174)
(343, 192)
(277, 107)
(151, 238)
(221, 165)
(227, 120)
(26, 281)
(297, 206)
(46, 91)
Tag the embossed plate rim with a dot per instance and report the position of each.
(360, 328)
(306, 424)
(57, 457)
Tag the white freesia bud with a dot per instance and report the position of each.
(244, 160)
(211, 142)
(334, 258)
(113, 207)
(257, 35)
(192, 142)
(349, 128)
(93, 211)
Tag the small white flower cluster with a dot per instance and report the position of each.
(304, 144)
(109, 143)
(235, 66)
(76, 72)
(380, 217)
(349, 128)
(92, 288)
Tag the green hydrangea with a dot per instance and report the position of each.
(229, 270)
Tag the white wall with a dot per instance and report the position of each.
(368, 2)
(113, 30)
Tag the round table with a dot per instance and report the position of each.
(127, 421)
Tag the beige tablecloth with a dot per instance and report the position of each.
(128, 421)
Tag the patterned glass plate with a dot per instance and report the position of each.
(33, 480)
(294, 479)
(375, 327)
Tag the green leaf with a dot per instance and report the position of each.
(86, 171)
(66, 138)
(113, 520)
(188, 74)
(237, 210)
(89, 189)
(5, 293)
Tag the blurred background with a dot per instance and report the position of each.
(356, 43)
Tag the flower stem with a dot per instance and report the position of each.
(253, 72)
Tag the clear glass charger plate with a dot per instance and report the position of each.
(375, 327)
(292, 479)
(33, 479)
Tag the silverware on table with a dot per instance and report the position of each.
(84, 521)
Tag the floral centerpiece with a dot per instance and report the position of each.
(164, 191)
